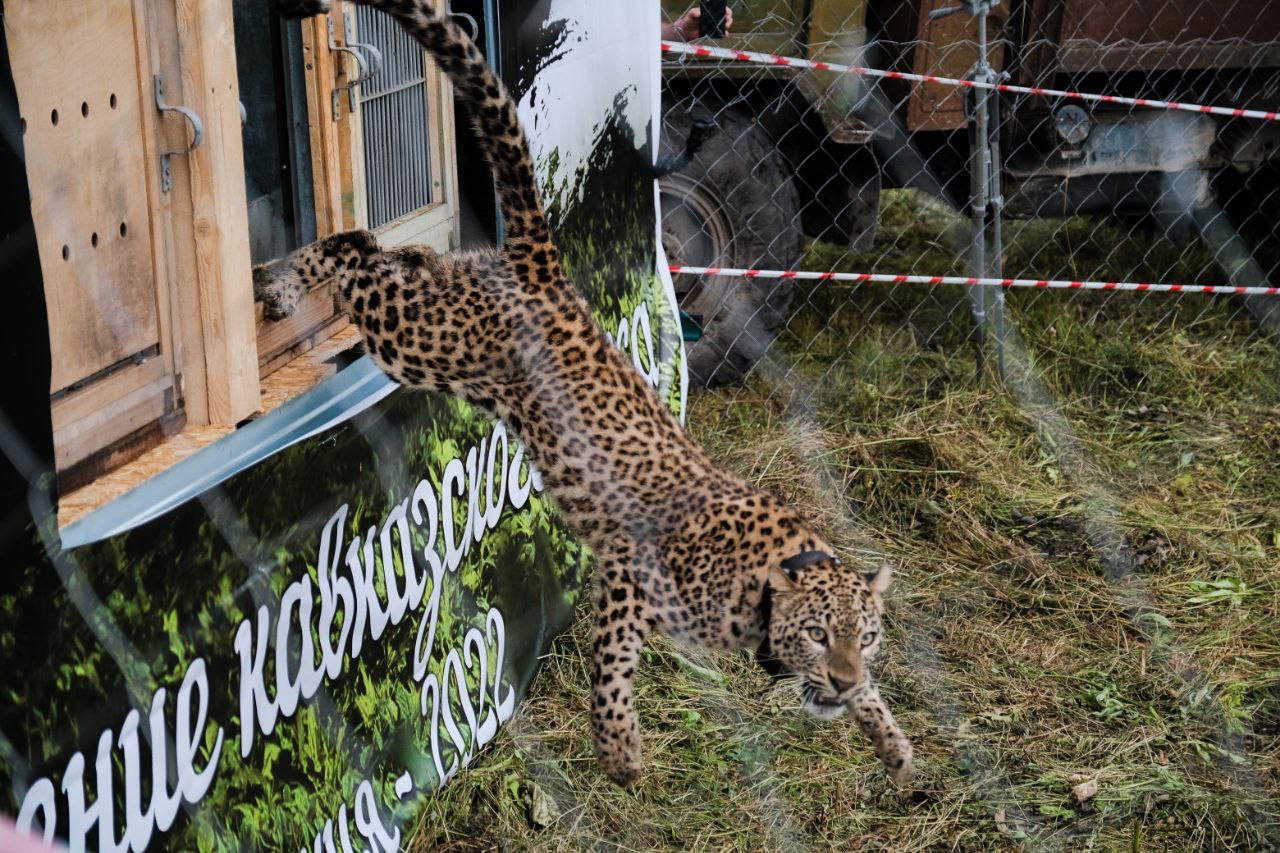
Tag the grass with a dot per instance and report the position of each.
(1087, 594)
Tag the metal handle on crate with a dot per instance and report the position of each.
(375, 55)
(334, 46)
(197, 136)
(475, 27)
(368, 67)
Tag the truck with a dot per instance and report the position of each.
(802, 154)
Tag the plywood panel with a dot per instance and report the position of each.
(75, 69)
(432, 227)
(81, 418)
(90, 424)
(285, 384)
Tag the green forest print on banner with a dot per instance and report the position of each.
(295, 657)
(592, 111)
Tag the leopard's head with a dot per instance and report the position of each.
(824, 627)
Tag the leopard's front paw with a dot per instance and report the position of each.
(619, 757)
(279, 288)
(624, 772)
(902, 766)
(300, 8)
(877, 723)
(897, 756)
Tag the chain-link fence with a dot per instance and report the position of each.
(837, 170)
(1094, 454)
(1076, 485)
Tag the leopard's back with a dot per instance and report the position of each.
(481, 327)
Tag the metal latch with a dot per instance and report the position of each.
(369, 67)
(197, 127)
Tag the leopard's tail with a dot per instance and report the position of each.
(501, 137)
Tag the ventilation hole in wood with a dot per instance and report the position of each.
(84, 109)
(54, 117)
(94, 239)
(114, 102)
(124, 230)
(66, 253)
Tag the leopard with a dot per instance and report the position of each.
(682, 546)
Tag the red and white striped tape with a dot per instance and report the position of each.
(770, 59)
(976, 282)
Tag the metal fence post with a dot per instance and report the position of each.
(995, 202)
(987, 303)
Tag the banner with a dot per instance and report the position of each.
(288, 639)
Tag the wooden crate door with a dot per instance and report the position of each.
(75, 66)
(85, 103)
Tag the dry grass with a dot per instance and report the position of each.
(1088, 592)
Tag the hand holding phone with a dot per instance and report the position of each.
(711, 20)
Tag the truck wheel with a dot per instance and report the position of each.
(735, 205)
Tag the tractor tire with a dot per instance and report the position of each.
(735, 205)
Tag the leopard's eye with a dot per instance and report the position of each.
(868, 638)
(817, 634)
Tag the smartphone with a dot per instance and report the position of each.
(711, 22)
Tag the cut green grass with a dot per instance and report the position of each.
(1087, 594)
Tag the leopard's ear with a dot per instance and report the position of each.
(782, 580)
(879, 579)
(793, 566)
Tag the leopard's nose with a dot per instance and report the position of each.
(841, 685)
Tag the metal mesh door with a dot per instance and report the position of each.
(397, 153)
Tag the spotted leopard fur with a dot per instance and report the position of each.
(682, 545)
